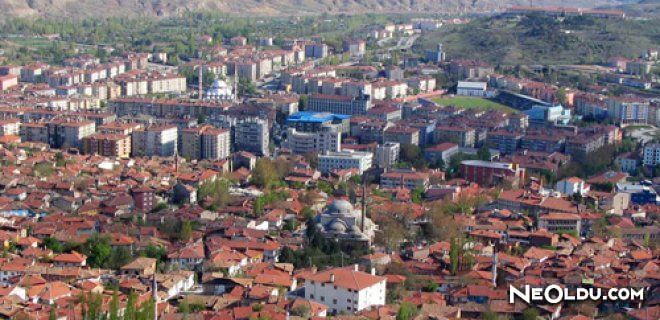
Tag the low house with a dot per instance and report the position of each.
(73, 259)
(141, 266)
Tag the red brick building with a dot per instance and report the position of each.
(490, 173)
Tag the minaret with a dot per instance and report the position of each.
(364, 202)
(494, 271)
(235, 83)
(154, 289)
(200, 85)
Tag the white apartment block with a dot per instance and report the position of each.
(651, 154)
(346, 289)
(387, 154)
(328, 139)
(347, 159)
(10, 127)
(252, 135)
(155, 141)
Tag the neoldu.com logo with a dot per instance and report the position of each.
(554, 294)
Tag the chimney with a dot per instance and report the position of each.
(373, 271)
(356, 267)
(332, 277)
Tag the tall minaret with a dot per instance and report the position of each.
(494, 268)
(200, 85)
(235, 83)
(364, 202)
(154, 293)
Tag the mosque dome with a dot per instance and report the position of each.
(337, 226)
(340, 206)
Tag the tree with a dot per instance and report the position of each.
(489, 315)
(185, 234)
(118, 258)
(59, 159)
(407, 311)
(264, 173)
(129, 312)
(53, 244)
(114, 307)
(483, 154)
(302, 311)
(454, 256)
(560, 96)
(417, 195)
(52, 313)
(410, 152)
(530, 314)
(98, 250)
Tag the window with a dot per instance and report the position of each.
(311, 296)
(334, 301)
(323, 299)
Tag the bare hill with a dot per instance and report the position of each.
(136, 8)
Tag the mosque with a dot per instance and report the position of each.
(341, 222)
(220, 91)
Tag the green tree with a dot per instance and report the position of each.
(483, 153)
(52, 313)
(98, 250)
(407, 311)
(417, 195)
(410, 152)
(454, 256)
(489, 315)
(185, 234)
(130, 311)
(114, 307)
(530, 314)
(264, 174)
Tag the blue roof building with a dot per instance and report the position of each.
(310, 121)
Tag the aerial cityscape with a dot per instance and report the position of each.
(350, 160)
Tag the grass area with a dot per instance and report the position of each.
(31, 42)
(541, 40)
(473, 103)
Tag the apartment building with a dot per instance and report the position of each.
(346, 159)
(339, 104)
(507, 142)
(387, 154)
(69, 134)
(252, 135)
(402, 135)
(651, 154)
(463, 136)
(34, 132)
(408, 179)
(346, 289)
(555, 221)
(628, 110)
(205, 142)
(489, 173)
(328, 139)
(10, 127)
(155, 141)
(107, 145)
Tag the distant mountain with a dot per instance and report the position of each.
(136, 8)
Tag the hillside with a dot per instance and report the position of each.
(102, 8)
(538, 40)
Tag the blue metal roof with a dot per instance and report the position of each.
(320, 117)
